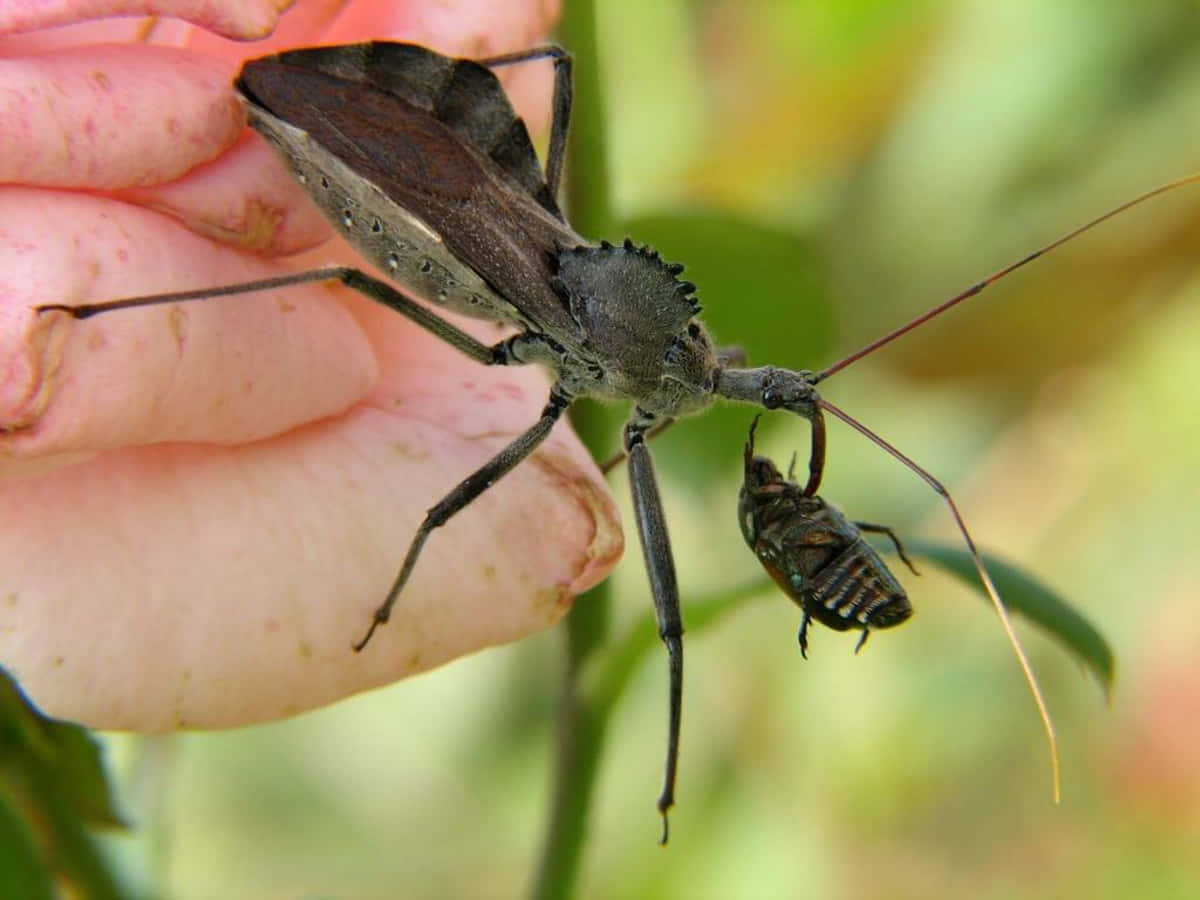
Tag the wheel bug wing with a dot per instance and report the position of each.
(417, 196)
(463, 94)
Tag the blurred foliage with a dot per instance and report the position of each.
(1024, 594)
(826, 170)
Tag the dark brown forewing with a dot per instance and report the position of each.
(486, 220)
(459, 92)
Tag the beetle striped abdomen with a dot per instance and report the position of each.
(857, 590)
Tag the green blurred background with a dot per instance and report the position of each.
(827, 169)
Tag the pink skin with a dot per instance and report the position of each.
(202, 504)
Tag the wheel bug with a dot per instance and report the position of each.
(420, 161)
(815, 555)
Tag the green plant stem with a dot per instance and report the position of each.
(580, 727)
(580, 737)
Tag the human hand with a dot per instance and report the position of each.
(204, 503)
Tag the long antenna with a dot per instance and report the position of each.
(984, 577)
(996, 276)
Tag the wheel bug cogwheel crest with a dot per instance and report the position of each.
(634, 319)
(587, 272)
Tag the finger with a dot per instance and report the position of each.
(239, 19)
(226, 371)
(113, 117)
(137, 587)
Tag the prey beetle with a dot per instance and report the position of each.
(817, 556)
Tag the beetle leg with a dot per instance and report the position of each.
(884, 529)
(862, 640)
(802, 636)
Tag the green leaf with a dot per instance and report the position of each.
(53, 782)
(21, 871)
(1024, 594)
(62, 756)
